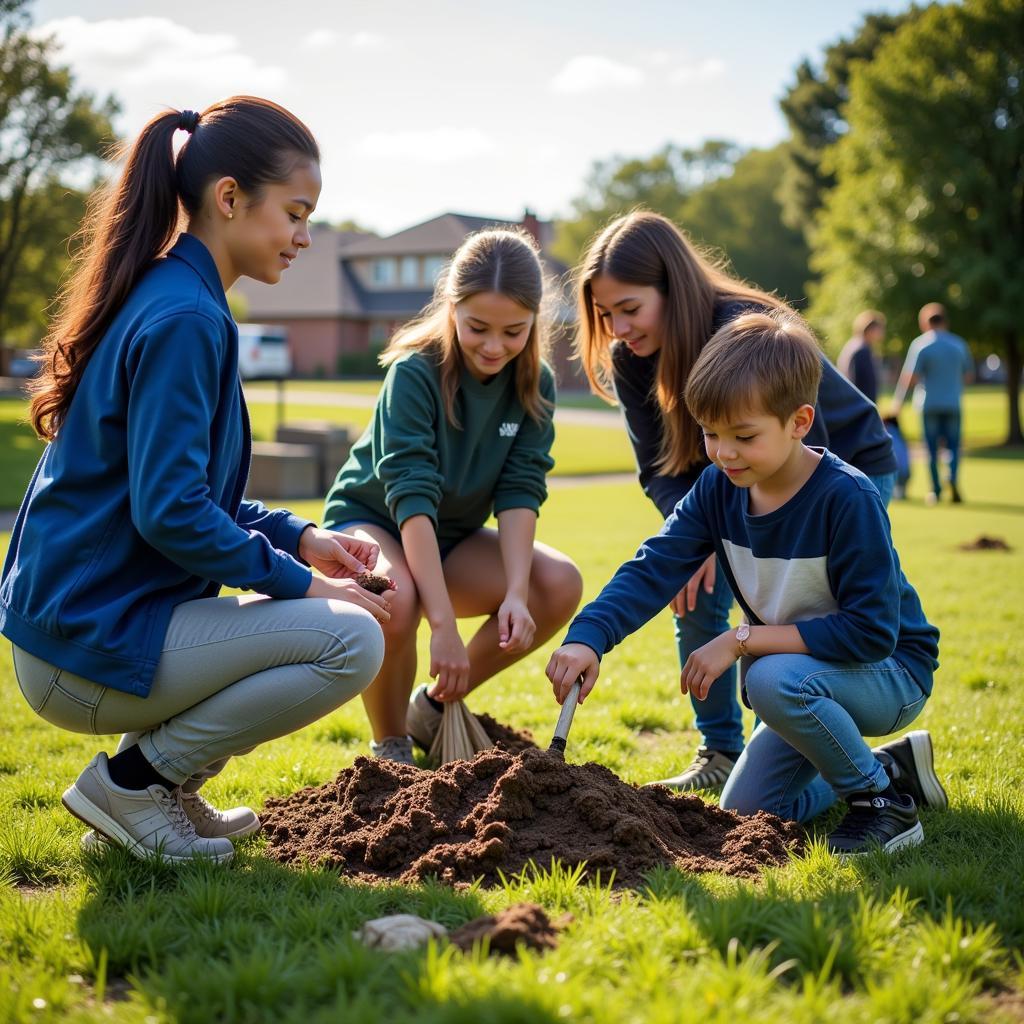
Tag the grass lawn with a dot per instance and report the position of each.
(931, 935)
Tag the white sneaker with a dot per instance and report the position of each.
(422, 719)
(394, 748)
(208, 821)
(148, 822)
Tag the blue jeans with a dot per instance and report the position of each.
(809, 748)
(719, 718)
(939, 427)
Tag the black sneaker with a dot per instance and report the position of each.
(910, 764)
(876, 822)
(954, 494)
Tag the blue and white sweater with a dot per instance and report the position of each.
(823, 562)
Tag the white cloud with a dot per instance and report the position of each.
(436, 146)
(368, 41)
(591, 73)
(321, 39)
(702, 70)
(151, 63)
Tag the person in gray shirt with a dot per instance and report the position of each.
(937, 366)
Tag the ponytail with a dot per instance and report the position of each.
(132, 222)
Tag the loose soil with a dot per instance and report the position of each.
(514, 740)
(522, 924)
(384, 821)
(984, 543)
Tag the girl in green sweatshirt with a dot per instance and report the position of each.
(462, 430)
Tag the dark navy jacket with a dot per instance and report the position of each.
(845, 422)
(137, 505)
(823, 562)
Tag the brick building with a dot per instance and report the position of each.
(349, 291)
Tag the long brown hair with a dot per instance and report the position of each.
(133, 221)
(501, 260)
(644, 248)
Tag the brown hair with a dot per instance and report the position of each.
(863, 322)
(767, 362)
(931, 316)
(647, 249)
(133, 221)
(501, 260)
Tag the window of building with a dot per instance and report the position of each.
(379, 332)
(409, 270)
(432, 266)
(384, 271)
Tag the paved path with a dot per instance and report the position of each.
(357, 400)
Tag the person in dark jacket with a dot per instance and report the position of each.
(858, 361)
(648, 303)
(135, 515)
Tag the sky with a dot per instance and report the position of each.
(426, 106)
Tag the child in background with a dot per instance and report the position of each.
(462, 429)
(840, 645)
(649, 302)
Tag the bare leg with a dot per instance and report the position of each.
(475, 576)
(387, 697)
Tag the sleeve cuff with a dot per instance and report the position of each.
(414, 505)
(292, 581)
(503, 502)
(589, 635)
(289, 533)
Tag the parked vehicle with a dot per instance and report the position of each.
(263, 351)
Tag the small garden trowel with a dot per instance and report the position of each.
(565, 718)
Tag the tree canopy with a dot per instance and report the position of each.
(929, 204)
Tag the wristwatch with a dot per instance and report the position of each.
(742, 636)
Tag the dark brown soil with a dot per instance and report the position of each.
(375, 584)
(380, 820)
(984, 543)
(515, 740)
(522, 924)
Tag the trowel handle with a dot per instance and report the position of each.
(565, 718)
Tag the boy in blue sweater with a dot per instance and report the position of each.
(837, 643)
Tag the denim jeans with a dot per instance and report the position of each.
(719, 718)
(234, 672)
(809, 748)
(942, 427)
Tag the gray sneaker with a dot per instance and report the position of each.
(709, 770)
(208, 821)
(422, 720)
(148, 823)
(394, 748)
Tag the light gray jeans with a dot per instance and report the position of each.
(234, 672)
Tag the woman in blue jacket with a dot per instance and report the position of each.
(135, 515)
(649, 302)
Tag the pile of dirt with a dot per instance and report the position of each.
(522, 924)
(515, 740)
(984, 543)
(380, 820)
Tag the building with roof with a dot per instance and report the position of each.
(347, 294)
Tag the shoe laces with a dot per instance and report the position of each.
(392, 745)
(171, 804)
(200, 805)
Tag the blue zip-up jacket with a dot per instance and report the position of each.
(137, 506)
(845, 422)
(823, 562)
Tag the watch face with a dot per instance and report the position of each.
(743, 632)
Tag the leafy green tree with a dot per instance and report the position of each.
(929, 203)
(814, 109)
(740, 215)
(660, 182)
(48, 132)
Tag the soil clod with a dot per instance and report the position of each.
(984, 543)
(384, 821)
(522, 924)
(375, 584)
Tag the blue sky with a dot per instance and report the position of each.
(484, 107)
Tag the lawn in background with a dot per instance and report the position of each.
(932, 934)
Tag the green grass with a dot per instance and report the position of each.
(933, 934)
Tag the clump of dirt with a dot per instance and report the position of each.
(984, 543)
(515, 740)
(375, 584)
(522, 924)
(384, 821)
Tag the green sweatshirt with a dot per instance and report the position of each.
(412, 461)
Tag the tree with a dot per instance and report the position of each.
(929, 203)
(48, 132)
(814, 109)
(740, 215)
(660, 182)
(722, 197)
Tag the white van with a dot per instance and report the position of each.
(263, 351)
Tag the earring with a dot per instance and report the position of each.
(231, 216)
